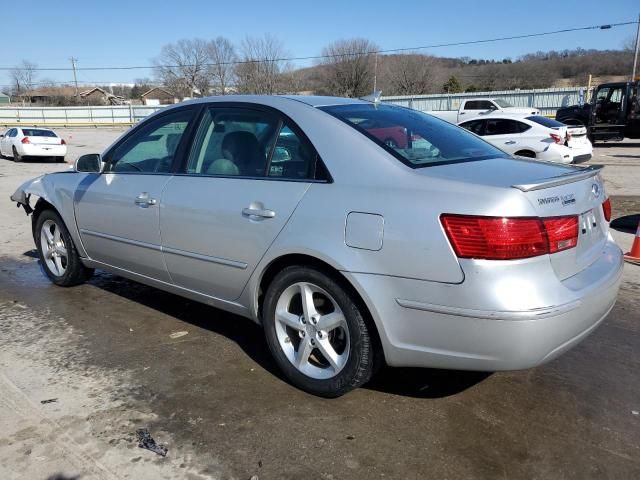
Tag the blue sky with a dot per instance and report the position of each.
(132, 32)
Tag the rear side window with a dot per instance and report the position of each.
(545, 122)
(35, 132)
(502, 126)
(415, 138)
(475, 126)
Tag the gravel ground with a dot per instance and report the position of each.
(113, 356)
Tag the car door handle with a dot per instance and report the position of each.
(143, 200)
(510, 142)
(258, 212)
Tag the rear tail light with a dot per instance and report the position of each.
(556, 138)
(503, 238)
(606, 209)
(62, 142)
(25, 140)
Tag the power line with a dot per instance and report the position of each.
(342, 55)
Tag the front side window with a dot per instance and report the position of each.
(152, 147)
(422, 140)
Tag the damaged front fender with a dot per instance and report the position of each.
(58, 190)
(22, 195)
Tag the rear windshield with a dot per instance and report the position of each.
(546, 122)
(415, 138)
(35, 132)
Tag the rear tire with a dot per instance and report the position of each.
(16, 155)
(327, 354)
(57, 252)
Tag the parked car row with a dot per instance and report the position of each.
(20, 143)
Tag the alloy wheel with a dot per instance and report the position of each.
(54, 250)
(312, 330)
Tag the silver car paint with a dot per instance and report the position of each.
(430, 309)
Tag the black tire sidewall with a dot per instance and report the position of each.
(76, 272)
(359, 366)
(16, 156)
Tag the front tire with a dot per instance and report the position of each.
(57, 252)
(317, 333)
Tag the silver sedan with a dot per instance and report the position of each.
(356, 233)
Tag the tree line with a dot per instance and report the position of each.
(347, 67)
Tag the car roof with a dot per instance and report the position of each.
(311, 100)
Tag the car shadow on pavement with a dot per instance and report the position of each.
(626, 223)
(412, 382)
(617, 144)
(425, 382)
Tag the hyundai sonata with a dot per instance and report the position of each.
(436, 250)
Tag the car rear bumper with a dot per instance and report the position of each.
(421, 326)
(556, 153)
(582, 158)
(31, 150)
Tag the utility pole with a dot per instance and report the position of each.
(75, 78)
(375, 74)
(635, 58)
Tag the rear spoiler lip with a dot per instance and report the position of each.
(580, 174)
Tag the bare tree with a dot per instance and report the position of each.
(222, 56)
(22, 78)
(348, 67)
(408, 74)
(184, 67)
(262, 65)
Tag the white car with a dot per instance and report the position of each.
(533, 136)
(19, 143)
(477, 107)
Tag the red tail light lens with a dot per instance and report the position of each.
(502, 238)
(62, 142)
(25, 140)
(562, 232)
(556, 138)
(606, 209)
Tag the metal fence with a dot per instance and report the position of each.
(75, 116)
(548, 100)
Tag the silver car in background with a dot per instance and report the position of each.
(356, 233)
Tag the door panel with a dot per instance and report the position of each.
(211, 241)
(117, 211)
(118, 231)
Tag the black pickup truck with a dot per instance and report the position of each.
(613, 114)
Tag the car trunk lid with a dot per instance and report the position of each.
(553, 190)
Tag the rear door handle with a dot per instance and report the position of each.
(510, 142)
(143, 200)
(258, 212)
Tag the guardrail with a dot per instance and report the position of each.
(117, 115)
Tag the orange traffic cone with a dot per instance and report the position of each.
(634, 255)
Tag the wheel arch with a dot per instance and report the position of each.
(525, 152)
(290, 259)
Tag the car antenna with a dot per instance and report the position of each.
(375, 97)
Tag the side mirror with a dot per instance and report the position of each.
(91, 163)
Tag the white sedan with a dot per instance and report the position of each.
(534, 136)
(19, 143)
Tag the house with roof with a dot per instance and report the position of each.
(63, 95)
(158, 96)
(4, 99)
